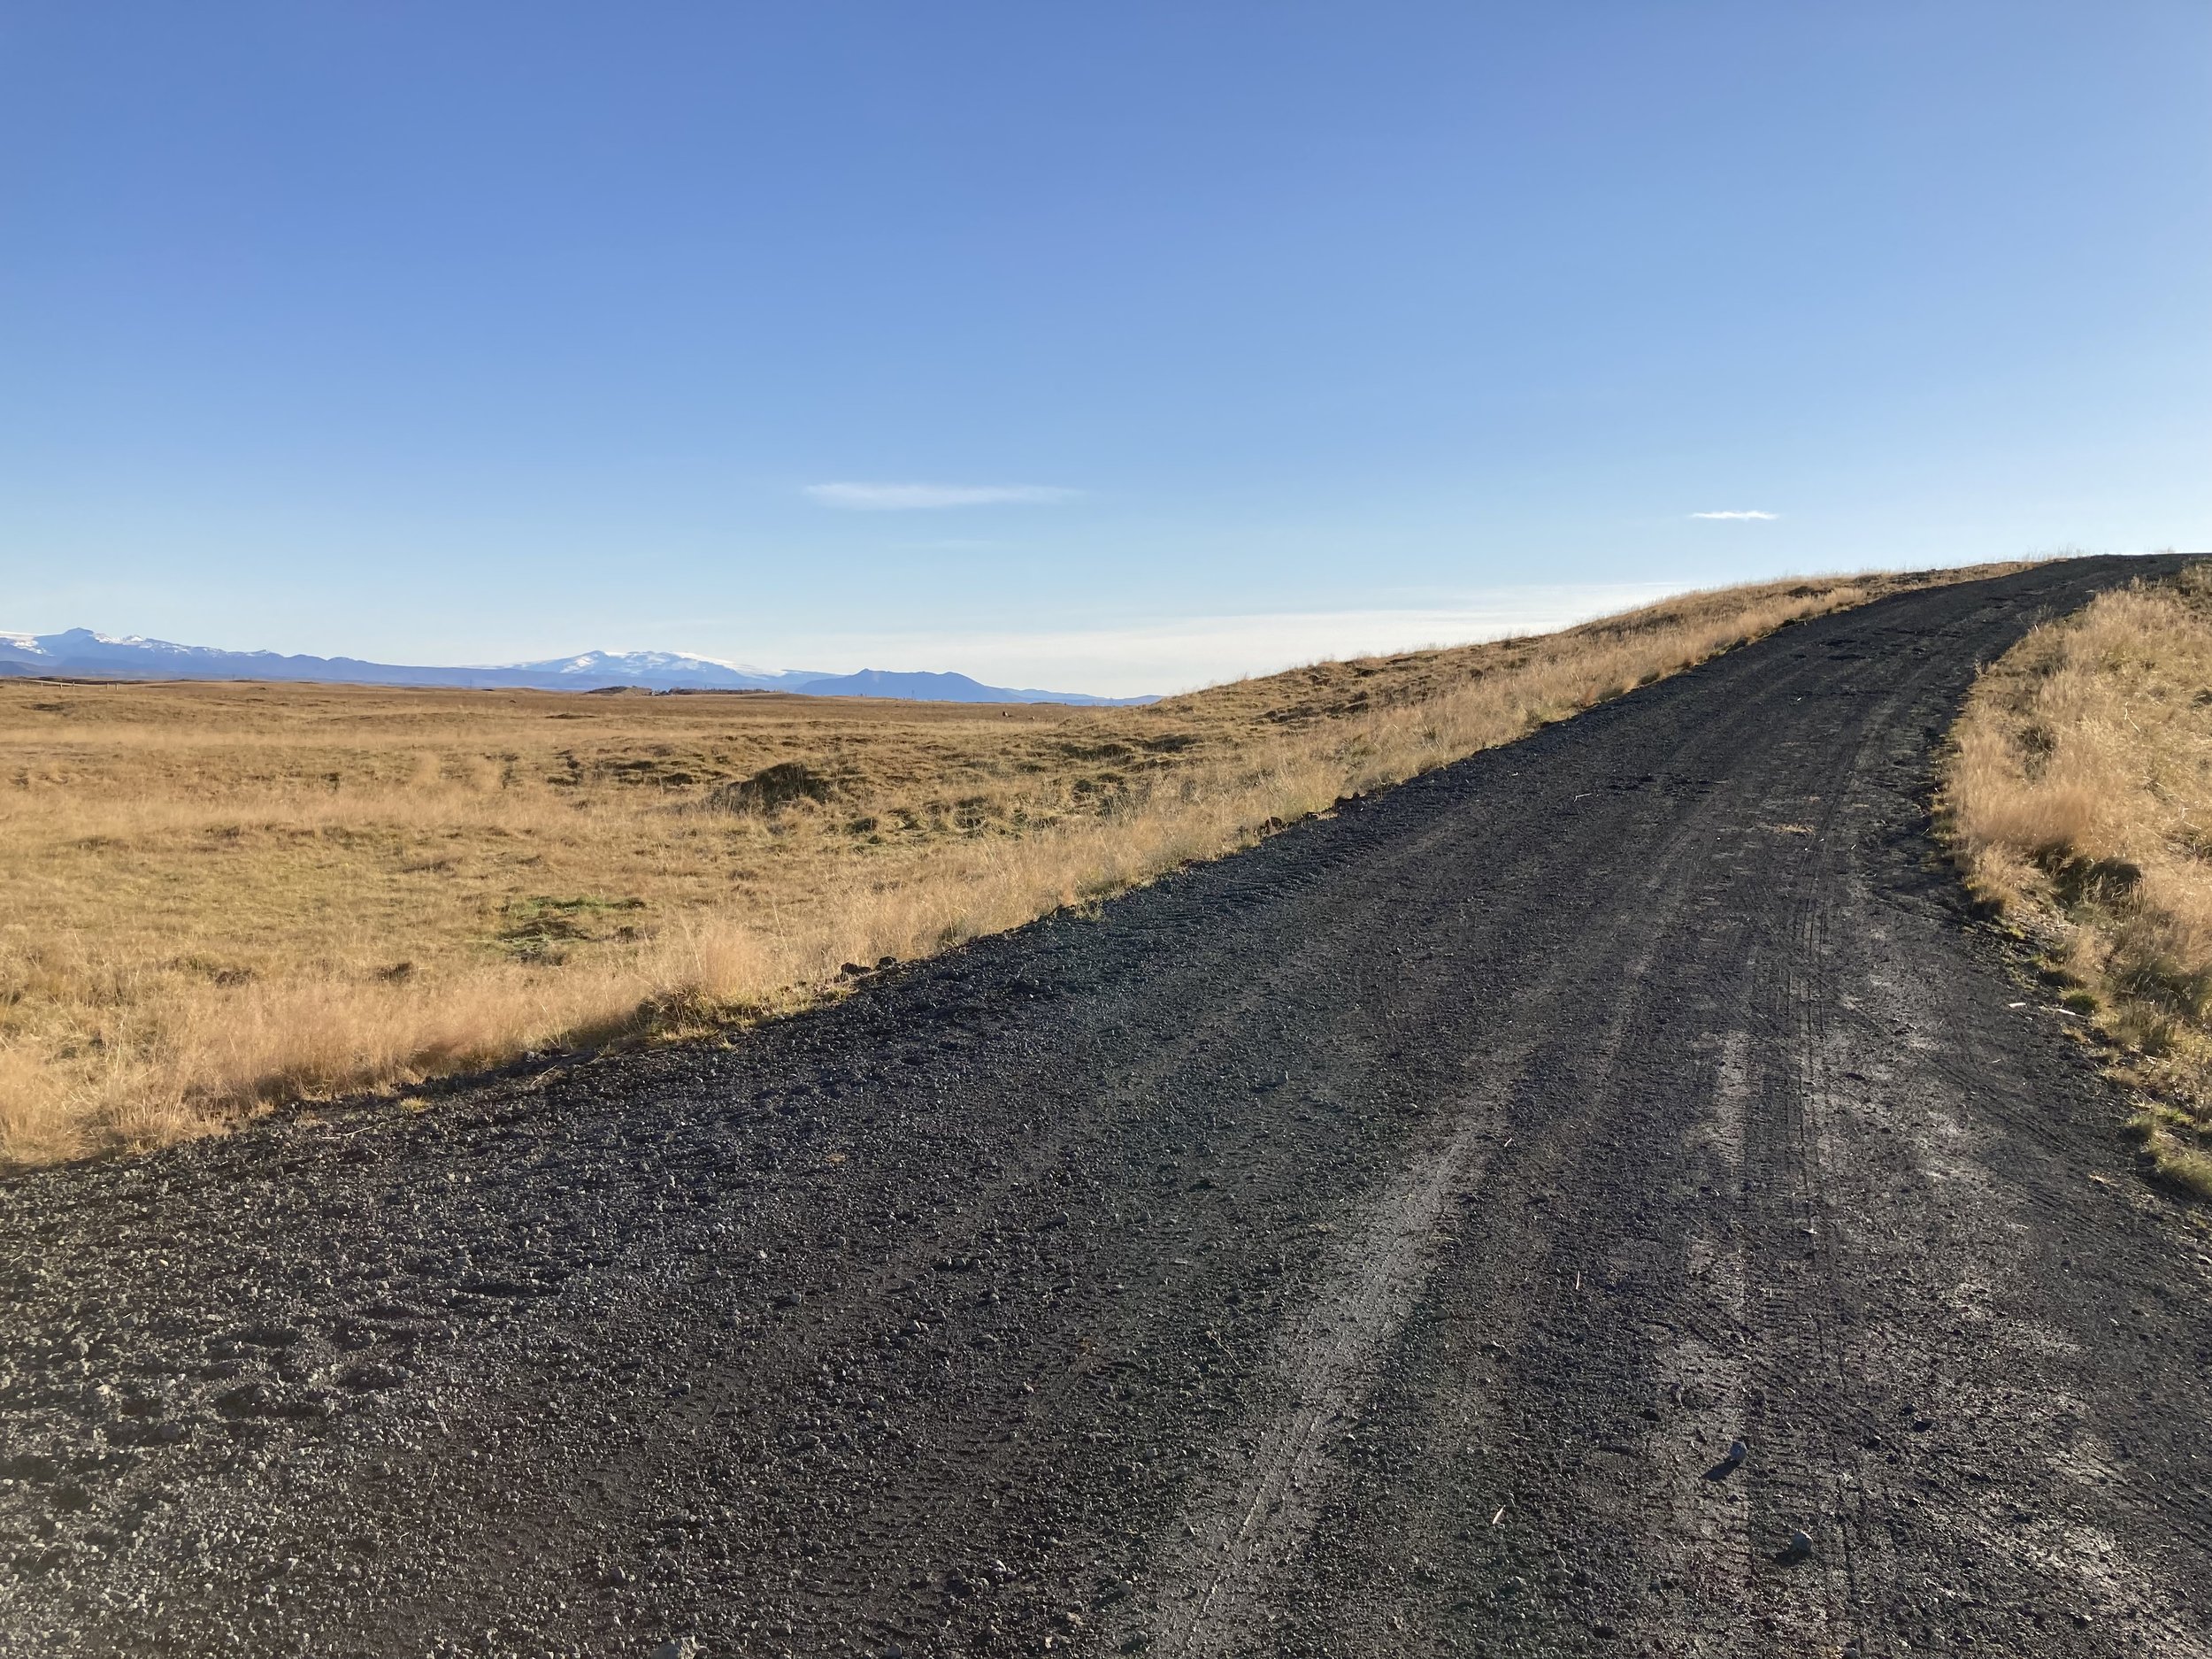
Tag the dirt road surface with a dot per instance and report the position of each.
(1602, 1198)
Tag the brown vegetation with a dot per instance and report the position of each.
(216, 897)
(2079, 795)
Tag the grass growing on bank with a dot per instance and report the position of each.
(2079, 795)
(218, 897)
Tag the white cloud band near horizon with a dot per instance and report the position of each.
(862, 497)
(1746, 514)
(1180, 654)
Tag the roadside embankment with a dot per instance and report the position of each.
(2078, 795)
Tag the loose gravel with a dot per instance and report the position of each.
(1603, 1197)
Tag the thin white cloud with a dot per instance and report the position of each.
(1735, 515)
(912, 497)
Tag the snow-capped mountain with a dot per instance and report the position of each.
(83, 644)
(79, 653)
(662, 670)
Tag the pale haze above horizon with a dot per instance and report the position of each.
(1114, 350)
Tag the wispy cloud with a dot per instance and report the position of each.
(911, 497)
(1735, 515)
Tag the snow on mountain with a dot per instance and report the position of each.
(661, 669)
(75, 645)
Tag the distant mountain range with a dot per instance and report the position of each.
(80, 652)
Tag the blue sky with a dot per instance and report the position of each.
(1113, 347)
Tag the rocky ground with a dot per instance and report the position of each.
(1601, 1198)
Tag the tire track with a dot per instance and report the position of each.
(1213, 1601)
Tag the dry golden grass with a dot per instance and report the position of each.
(216, 897)
(2079, 795)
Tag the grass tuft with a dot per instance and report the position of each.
(2078, 795)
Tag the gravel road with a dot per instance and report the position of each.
(1602, 1198)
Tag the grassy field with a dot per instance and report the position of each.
(220, 896)
(2079, 796)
